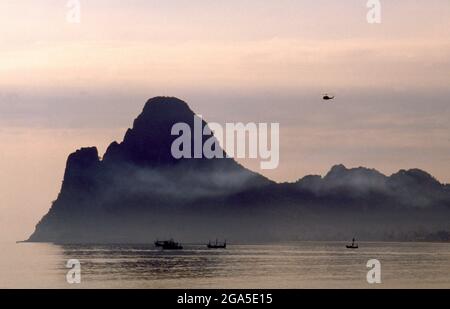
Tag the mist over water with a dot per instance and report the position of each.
(284, 265)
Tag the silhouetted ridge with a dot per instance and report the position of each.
(415, 177)
(165, 108)
(81, 169)
(149, 141)
(139, 192)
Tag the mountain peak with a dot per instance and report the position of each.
(80, 166)
(415, 177)
(164, 102)
(165, 108)
(337, 169)
(149, 141)
(340, 170)
(83, 159)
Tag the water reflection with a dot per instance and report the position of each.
(290, 265)
(144, 262)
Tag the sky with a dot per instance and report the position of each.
(68, 85)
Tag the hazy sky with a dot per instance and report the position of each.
(64, 86)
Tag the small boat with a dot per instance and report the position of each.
(217, 245)
(159, 243)
(171, 245)
(168, 244)
(353, 245)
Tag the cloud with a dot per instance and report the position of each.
(276, 63)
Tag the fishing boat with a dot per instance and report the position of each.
(217, 245)
(353, 245)
(159, 243)
(168, 245)
(171, 245)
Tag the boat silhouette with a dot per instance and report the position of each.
(168, 245)
(353, 245)
(160, 243)
(217, 245)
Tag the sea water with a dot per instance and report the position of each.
(286, 265)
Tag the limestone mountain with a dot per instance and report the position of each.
(139, 191)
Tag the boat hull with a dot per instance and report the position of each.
(172, 248)
(216, 247)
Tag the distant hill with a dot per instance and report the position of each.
(138, 192)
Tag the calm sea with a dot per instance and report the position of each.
(289, 265)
